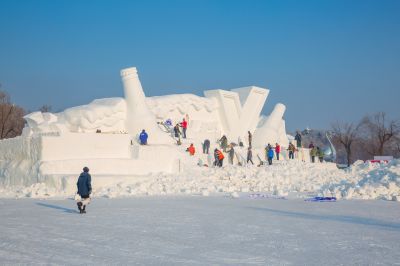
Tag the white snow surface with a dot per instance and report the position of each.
(361, 181)
(199, 231)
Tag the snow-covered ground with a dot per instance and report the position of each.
(195, 230)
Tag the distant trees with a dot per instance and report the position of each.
(345, 134)
(374, 135)
(379, 133)
(11, 117)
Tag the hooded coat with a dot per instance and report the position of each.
(84, 184)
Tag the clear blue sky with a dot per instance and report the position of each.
(326, 60)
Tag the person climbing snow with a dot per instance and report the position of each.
(184, 126)
(143, 137)
(84, 186)
(219, 158)
(177, 133)
(191, 149)
(270, 155)
(206, 146)
(249, 156)
(277, 150)
(320, 154)
(223, 143)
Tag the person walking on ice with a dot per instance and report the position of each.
(84, 186)
(143, 137)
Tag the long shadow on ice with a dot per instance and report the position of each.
(336, 218)
(57, 207)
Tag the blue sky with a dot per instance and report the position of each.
(325, 60)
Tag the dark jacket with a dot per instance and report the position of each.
(84, 184)
(143, 137)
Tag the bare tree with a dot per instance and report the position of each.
(345, 134)
(11, 117)
(379, 132)
(45, 108)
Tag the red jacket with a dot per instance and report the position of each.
(278, 149)
(191, 150)
(184, 124)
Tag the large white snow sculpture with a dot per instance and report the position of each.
(138, 114)
(272, 130)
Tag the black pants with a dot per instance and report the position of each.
(313, 159)
(291, 155)
(184, 132)
(206, 148)
(220, 162)
(277, 156)
(321, 159)
(269, 160)
(250, 160)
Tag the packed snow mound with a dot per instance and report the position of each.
(369, 181)
(362, 181)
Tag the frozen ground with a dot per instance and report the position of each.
(194, 230)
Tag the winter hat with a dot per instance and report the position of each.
(85, 169)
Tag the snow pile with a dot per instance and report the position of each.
(369, 181)
(362, 181)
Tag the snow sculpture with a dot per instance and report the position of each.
(239, 109)
(272, 130)
(138, 114)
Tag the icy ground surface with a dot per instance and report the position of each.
(195, 230)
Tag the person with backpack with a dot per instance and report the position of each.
(143, 137)
(249, 156)
(270, 155)
(184, 126)
(277, 150)
(84, 186)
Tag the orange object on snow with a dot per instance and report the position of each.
(191, 150)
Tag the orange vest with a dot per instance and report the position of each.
(191, 150)
(220, 155)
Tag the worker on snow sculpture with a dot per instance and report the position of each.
(277, 150)
(206, 146)
(250, 137)
(249, 156)
(231, 153)
(143, 137)
(191, 149)
(223, 143)
(270, 155)
(177, 133)
(184, 125)
(84, 189)
(219, 158)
